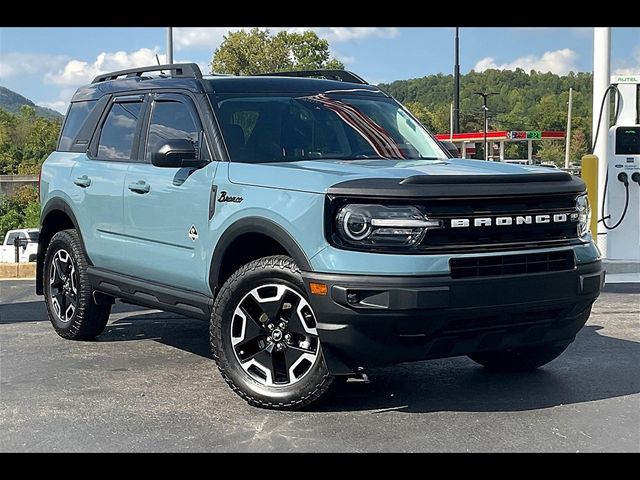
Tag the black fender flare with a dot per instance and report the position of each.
(55, 204)
(259, 225)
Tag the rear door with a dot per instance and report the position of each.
(166, 210)
(98, 181)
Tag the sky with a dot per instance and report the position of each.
(46, 65)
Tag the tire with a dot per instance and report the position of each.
(70, 306)
(267, 364)
(520, 359)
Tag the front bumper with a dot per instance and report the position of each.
(367, 320)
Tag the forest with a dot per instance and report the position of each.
(523, 101)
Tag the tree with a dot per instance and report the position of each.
(257, 51)
(552, 151)
(22, 210)
(25, 140)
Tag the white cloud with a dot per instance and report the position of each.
(560, 62)
(346, 59)
(626, 67)
(78, 72)
(211, 37)
(15, 63)
(58, 105)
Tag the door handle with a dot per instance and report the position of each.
(82, 181)
(139, 187)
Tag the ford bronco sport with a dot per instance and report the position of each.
(313, 221)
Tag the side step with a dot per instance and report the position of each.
(149, 294)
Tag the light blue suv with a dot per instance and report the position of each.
(314, 223)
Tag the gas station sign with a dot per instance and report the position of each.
(524, 135)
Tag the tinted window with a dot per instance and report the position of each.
(76, 117)
(170, 120)
(116, 137)
(33, 237)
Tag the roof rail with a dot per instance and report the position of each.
(342, 75)
(187, 70)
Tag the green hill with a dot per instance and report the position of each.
(12, 101)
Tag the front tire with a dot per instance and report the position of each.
(519, 359)
(72, 311)
(264, 339)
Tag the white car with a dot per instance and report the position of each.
(28, 249)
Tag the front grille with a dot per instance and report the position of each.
(512, 264)
(499, 236)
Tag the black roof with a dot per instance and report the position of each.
(135, 80)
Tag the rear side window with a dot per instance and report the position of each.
(77, 115)
(118, 131)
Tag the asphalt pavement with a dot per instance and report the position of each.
(148, 383)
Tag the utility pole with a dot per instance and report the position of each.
(568, 143)
(456, 85)
(169, 45)
(451, 123)
(485, 109)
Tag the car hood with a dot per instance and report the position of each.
(319, 176)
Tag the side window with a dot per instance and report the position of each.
(11, 238)
(170, 120)
(76, 116)
(118, 131)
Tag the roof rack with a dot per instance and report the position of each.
(342, 75)
(185, 70)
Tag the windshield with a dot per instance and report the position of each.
(288, 128)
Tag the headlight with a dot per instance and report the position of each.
(584, 214)
(382, 225)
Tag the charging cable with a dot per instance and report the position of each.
(622, 176)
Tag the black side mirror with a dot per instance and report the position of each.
(177, 153)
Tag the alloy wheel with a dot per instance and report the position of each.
(63, 285)
(273, 335)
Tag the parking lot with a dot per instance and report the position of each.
(148, 383)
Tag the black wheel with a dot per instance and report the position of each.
(72, 311)
(519, 359)
(264, 339)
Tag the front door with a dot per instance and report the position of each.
(166, 210)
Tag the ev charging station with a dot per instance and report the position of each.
(621, 213)
(617, 150)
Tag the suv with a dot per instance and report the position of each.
(314, 223)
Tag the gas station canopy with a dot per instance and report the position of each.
(500, 136)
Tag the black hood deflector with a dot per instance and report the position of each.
(455, 186)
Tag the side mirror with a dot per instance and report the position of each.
(177, 153)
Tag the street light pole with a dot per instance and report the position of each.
(169, 45)
(456, 85)
(485, 109)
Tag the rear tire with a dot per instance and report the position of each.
(72, 311)
(519, 359)
(263, 337)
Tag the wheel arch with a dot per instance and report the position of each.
(268, 236)
(56, 215)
